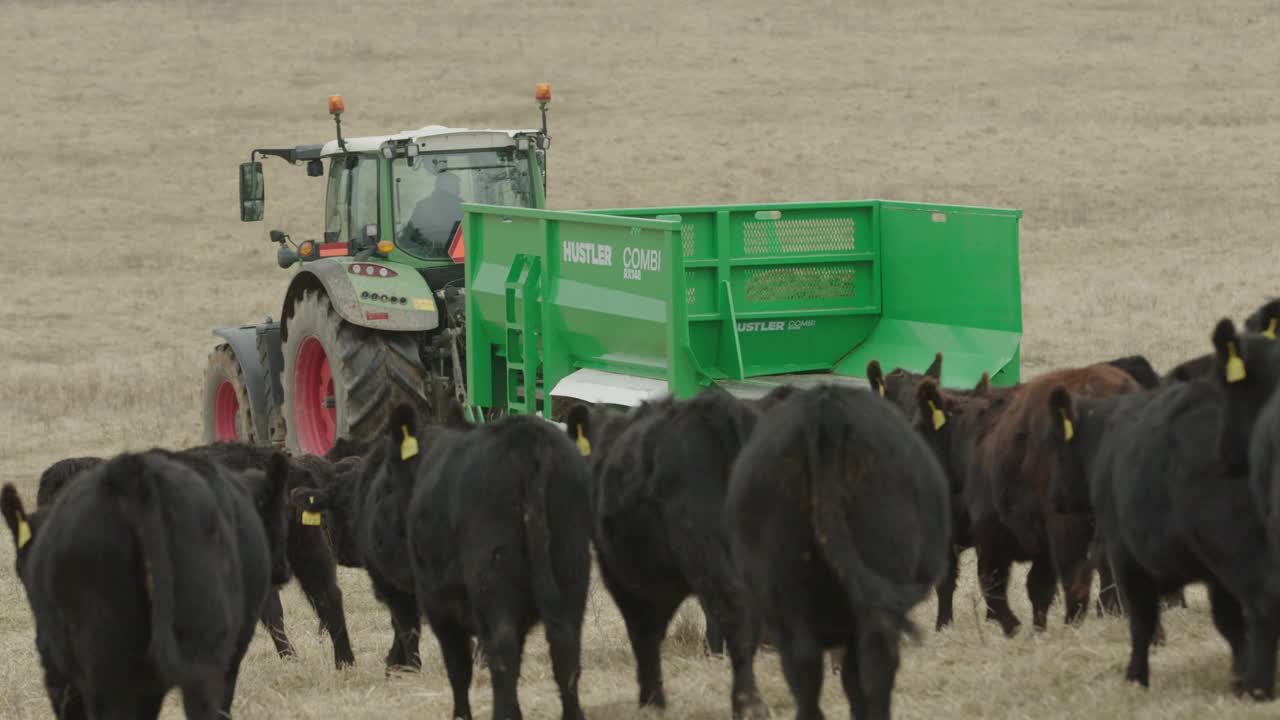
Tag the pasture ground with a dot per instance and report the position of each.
(1139, 137)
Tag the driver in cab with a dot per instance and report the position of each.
(434, 216)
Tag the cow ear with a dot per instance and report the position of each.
(403, 432)
(1266, 320)
(15, 516)
(932, 412)
(984, 384)
(277, 479)
(1062, 415)
(875, 377)
(578, 424)
(935, 369)
(1226, 344)
(309, 499)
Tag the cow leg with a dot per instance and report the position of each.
(1042, 585)
(1069, 539)
(721, 596)
(874, 659)
(1228, 617)
(208, 699)
(713, 639)
(1143, 602)
(802, 665)
(564, 638)
(455, 646)
(1263, 631)
(273, 620)
(405, 625)
(993, 577)
(149, 706)
(646, 620)
(504, 646)
(946, 589)
(67, 702)
(317, 573)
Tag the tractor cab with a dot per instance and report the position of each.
(399, 197)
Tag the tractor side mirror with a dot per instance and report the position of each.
(315, 168)
(278, 236)
(251, 191)
(371, 233)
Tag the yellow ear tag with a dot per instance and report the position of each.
(939, 417)
(1235, 366)
(584, 445)
(311, 517)
(408, 446)
(1068, 430)
(24, 532)
(880, 386)
(1270, 332)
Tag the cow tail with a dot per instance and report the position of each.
(132, 489)
(866, 591)
(537, 530)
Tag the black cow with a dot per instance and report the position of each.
(1170, 511)
(146, 573)
(657, 500)
(840, 524)
(1139, 368)
(499, 541)
(309, 552)
(364, 514)
(1261, 321)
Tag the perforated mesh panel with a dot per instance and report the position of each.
(686, 236)
(798, 283)
(800, 235)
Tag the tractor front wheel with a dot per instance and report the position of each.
(342, 380)
(226, 400)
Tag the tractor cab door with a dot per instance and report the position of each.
(351, 202)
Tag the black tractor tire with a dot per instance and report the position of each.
(275, 412)
(224, 369)
(372, 370)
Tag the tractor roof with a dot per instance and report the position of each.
(431, 138)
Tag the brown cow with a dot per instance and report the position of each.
(1015, 460)
(987, 443)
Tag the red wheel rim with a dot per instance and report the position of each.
(315, 411)
(226, 412)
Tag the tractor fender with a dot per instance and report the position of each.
(244, 343)
(332, 275)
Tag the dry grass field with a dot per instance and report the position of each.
(1140, 137)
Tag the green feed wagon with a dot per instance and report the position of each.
(440, 276)
(617, 306)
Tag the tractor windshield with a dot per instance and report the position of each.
(429, 194)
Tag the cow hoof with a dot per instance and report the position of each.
(1261, 695)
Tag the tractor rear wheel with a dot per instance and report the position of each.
(342, 380)
(226, 412)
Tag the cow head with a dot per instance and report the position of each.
(578, 425)
(22, 526)
(402, 445)
(269, 488)
(933, 420)
(1265, 320)
(346, 447)
(1068, 482)
(319, 504)
(1247, 367)
(899, 386)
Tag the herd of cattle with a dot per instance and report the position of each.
(810, 519)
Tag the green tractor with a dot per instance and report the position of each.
(374, 314)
